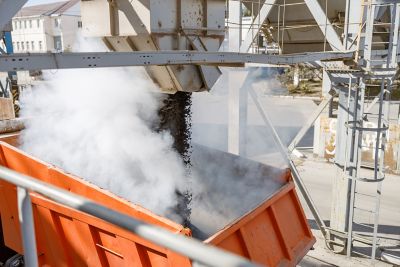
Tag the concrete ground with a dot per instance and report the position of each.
(317, 174)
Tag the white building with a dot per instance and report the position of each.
(46, 28)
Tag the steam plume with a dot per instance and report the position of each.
(97, 124)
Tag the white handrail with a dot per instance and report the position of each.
(193, 249)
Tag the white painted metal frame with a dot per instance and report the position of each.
(255, 26)
(45, 61)
(325, 25)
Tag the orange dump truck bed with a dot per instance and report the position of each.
(272, 230)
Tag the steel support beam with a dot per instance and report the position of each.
(237, 105)
(324, 24)
(352, 20)
(309, 123)
(45, 61)
(256, 25)
(8, 9)
(349, 110)
(395, 41)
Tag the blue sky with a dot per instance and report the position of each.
(38, 2)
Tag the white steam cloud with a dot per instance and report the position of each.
(96, 123)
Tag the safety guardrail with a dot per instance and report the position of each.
(195, 250)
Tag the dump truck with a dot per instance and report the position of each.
(269, 227)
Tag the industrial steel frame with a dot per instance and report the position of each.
(351, 96)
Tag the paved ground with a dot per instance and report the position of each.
(210, 116)
(317, 174)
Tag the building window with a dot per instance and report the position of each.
(40, 45)
(79, 24)
(27, 46)
(22, 46)
(38, 23)
(30, 24)
(17, 45)
(25, 24)
(20, 24)
(57, 23)
(33, 45)
(57, 43)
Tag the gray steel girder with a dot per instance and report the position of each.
(42, 61)
(8, 9)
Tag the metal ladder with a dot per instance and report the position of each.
(367, 233)
(380, 65)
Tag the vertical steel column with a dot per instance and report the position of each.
(25, 215)
(8, 42)
(12, 75)
(283, 23)
(395, 37)
(341, 183)
(369, 28)
(346, 25)
(237, 106)
(355, 160)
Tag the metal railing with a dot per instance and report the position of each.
(195, 250)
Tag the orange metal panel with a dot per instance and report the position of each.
(67, 237)
(275, 233)
(11, 138)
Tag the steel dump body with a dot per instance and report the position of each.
(273, 233)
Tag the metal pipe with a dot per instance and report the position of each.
(283, 23)
(354, 162)
(346, 25)
(25, 216)
(196, 250)
(326, 23)
(378, 134)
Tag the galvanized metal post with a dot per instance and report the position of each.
(353, 161)
(12, 75)
(237, 92)
(340, 183)
(25, 215)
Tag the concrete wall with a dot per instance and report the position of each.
(24, 36)
(69, 29)
(325, 138)
(36, 33)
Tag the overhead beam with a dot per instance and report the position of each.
(8, 9)
(42, 61)
(256, 25)
(324, 24)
